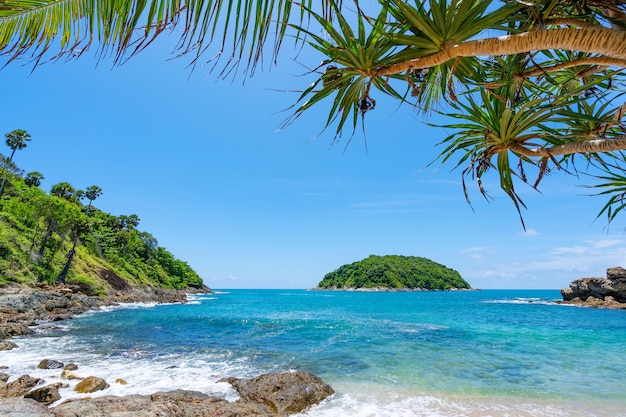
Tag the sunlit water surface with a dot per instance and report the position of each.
(476, 353)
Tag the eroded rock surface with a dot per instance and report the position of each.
(609, 292)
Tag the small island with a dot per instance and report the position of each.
(393, 273)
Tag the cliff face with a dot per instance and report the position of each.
(598, 292)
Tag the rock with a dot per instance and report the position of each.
(178, 403)
(8, 330)
(91, 384)
(607, 292)
(4, 377)
(23, 407)
(19, 387)
(7, 345)
(50, 364)
(70, 367)
(120, 381)
(67, 374)
(282, 393)
(45, 395)
(269, 395)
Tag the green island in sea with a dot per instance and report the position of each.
(394, 273)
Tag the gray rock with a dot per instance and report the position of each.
(598, 292)
(178, 403)
(45, 395)
(23, 407)
(269, 395)
(50, 364)
(7, 345)
(283, 393)
(19, 387)
(8, 330)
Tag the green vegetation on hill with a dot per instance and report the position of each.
(48, 238)
(394, 272)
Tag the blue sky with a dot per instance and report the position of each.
(204, 164)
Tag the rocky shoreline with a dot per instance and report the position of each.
(22, 308)
(609, 292)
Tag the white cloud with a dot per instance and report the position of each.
(478, 252)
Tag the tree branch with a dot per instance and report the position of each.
(607, 42)
(599, 61)
(587, 146)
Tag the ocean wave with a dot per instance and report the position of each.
(522, 300)
(364, 400)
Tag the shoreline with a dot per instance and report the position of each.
(353, 396)
(25, 308)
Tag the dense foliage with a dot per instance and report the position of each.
(396, 272)
(48, 238)
(530, 87)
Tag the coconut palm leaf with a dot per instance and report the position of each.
(122, 28)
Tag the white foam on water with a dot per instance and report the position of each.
(199, 298)
(367, 400)
(122, 306)
(522, 300)
(145, 374)
(141, 371)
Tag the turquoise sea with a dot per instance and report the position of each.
(469, 353)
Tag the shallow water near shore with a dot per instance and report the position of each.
(477, 353)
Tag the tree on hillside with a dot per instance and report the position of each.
(91, 193)
(63, 190)
(530, 86)
(33, 179)
(79, 227)
(15, 140)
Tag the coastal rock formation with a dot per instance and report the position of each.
(22, 407)
(268, 395)
(283, 393)
(23, 306)
(45, 395)
(609, 292)
(19, 387)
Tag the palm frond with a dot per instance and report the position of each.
(50, 29)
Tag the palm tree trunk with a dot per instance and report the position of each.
(70, 257)
(587, 146)
(603, 41)
(6, 172)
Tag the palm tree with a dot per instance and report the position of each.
(15, 140)
(33, 179)
(92, 192)
(528, 84)
(63, 190)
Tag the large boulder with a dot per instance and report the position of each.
(23, 407)
(91, 384)
(8, 330)
(268, 395)
(50, 364)
(283, 393)
(174, 403)
(45, 395)
(598, 292)
(19, 387)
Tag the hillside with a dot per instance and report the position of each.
(394, 272)
(56, 238)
